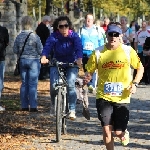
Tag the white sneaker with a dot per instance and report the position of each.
(2, 108)
(72, 115)
(126, 138)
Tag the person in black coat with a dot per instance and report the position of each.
(4, 40)
(43, 32)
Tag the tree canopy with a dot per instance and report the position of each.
(124, 7)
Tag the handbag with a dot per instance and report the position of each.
(17, 68)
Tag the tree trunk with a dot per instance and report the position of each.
(48, 7)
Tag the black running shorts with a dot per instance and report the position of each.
(114, 114)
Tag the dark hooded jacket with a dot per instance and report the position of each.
(4, 40)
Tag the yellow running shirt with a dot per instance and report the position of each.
(114, 73)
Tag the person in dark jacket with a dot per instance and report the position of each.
(43, 32)
(4, 40)
(66, 47)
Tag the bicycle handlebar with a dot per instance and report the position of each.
(56, 63)
(60, 66)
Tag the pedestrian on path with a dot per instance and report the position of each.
(126, 31)
(140, 38)
(43, 32)
(28, 47)
(4, 40)
(115, 85)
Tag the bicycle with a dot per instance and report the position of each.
(61, 108)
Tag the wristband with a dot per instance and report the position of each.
(135, 83)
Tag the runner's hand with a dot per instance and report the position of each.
(132, 88)
(44, 60)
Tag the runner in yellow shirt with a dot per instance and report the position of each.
(115, 85)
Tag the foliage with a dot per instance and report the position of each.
(124, 7)
(35, 4)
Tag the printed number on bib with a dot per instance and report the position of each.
(89, 46)
(113, 88)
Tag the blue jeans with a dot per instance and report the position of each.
(29, 71)
(71, 75)
(2, 70)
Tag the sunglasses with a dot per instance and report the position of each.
(113, 34)
(62, 26)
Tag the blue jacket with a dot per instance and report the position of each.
(92, 40)
(64, 49)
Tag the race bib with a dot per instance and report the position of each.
(88, 46)
(113, 88)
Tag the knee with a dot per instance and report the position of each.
(107, 130)
(118, 133)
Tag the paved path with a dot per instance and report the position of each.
(87, 135)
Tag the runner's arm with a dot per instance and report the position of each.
(91, 66)
(139, 74)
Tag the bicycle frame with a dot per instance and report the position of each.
(61, 101)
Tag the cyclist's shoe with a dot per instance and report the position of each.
(90, 89)
(72, 115)
(2, 108)
(125, 139)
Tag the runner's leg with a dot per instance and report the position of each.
(105, 113)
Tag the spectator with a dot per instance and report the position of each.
(126, 31)
(43, 31)
(148, 25)
(29, 64)
(134, 28)
(106, 22)
(98, 23)
(4, 40)
(146, 51)
(139, 41)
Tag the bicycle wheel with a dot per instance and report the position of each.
(59, 115)
(65, 111)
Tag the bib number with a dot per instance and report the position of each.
(88, 46)
(113, 88)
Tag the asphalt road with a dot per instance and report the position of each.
(87, 135)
